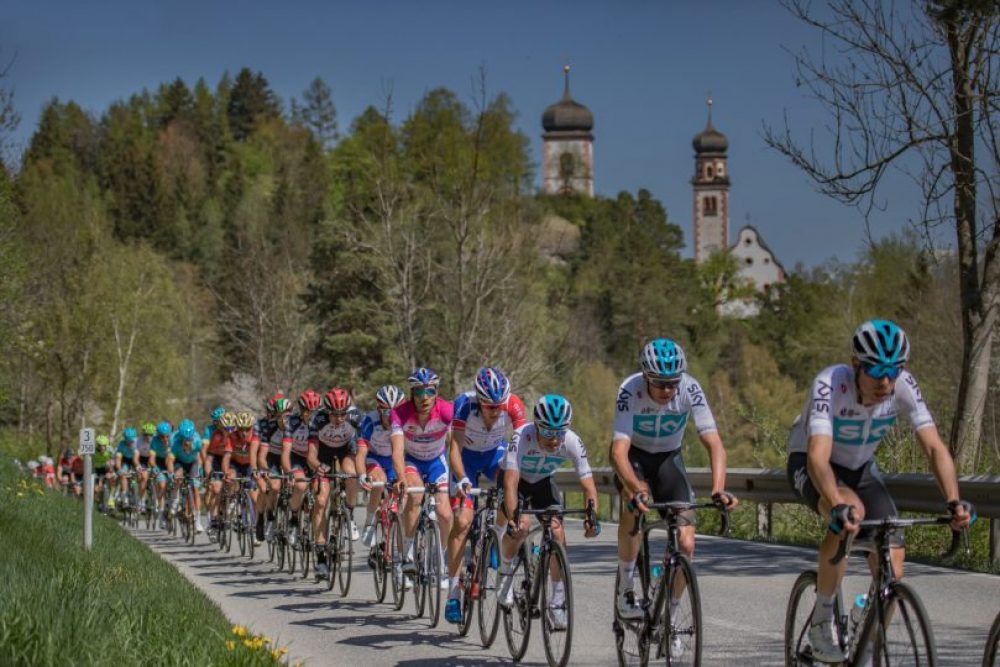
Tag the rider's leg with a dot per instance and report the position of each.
(319, 512)
(411, 512)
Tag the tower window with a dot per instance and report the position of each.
(749, 261)
(710, 206)
(720, 169)
(708, 171)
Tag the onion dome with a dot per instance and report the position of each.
(567, 115)
(710, 140)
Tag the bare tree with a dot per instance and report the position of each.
(914, 87)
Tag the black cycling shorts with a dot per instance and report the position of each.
(327, 455)
(538, 495)
(665, 474)
(866, 481)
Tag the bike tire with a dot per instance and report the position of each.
(419, 591)
(250, 524)
(517, 618)
(280, 537)
(907, 639)
(240, 527)
(801, 601)
(488, 609)
(332, 561)
(631, 638)
(992, 651)
(305, 540)
(685, 624)
(468, 580)
(397, 545)
(558, 643)
(230, 522)
(344, 553)
(433, 573)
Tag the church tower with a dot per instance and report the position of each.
(567, 146)
(711, 191)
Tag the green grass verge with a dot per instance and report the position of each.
(119, 604)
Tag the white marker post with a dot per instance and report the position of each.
(88, 446)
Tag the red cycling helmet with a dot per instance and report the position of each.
(310, 400)
(337, 400)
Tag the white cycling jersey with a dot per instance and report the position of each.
(477, 437)
(657, 428)
(526, 456)
(376, 438)
(834, 408)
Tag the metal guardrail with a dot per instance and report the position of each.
(911, 492)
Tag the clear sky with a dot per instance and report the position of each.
(644, 68)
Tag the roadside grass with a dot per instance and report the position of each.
(119, 604)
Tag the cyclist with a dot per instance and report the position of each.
(831, 457)
(295, 453)
(652, 409)
(243, 458)
(213, 425)
(419, 439)
(186, 459)
(216, 459)
(65, 469)
(103, 461)
(124, 461)
(269, 433)
(142, 454)
(375, 452)
(333, 437)
(536, 450)
(159, 449)
(476, 447)
(48, 474)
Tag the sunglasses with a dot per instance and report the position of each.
(338, 413)
(879, 371)
(656, 383)
(229, 429)
(385, 412)
(425, 392)
(490, 406)
(551, 433)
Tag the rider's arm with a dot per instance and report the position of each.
(170, 462)
(135, 458)
(398, 455)
(820, 470)
(940, 461)
(225, 461)
(589, 491)
(254, 452)
(455, 439)
(717, 459)
(622, 466)
(286, 456)
(312, 459)
(510, 480)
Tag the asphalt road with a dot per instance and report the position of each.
(744, 588)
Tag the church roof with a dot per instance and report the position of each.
(710, 140)
(567, 115)
(761, 243)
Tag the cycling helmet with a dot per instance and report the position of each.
(244, 420)
(68, 453)
(282, 405)
(164, 428)
(269, 403)
(337, 400)
(310, 400)
(553, 411)
(492, 386)
(217, 413)
(149, 428)
(881, 342)
(228, 420)
(130, 434)
(424, 377)
(389, 395)
(103, 441)
(32, 464)
(187, 430)
(662, 358)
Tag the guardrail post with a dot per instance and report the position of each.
(764, 519)
(995, 542)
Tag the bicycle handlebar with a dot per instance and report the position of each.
(676, 507)
(882, 526)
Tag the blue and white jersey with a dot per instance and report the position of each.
(657, 428)
(374, 436)
(534, 464)
(469, 418)
(834, 409)
(297, 433)
(269, 434)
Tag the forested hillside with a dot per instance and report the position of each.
(205, 243)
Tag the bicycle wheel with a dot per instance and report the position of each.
(377, 561)
(280, 537)
(679, 632)
(187, 528)
(992, 644)
(433, 572)
(230, 522)
(305, 539)
(397, 545)
(468, 581)
(906, 638)
(517, 617)
(797, 618)
(419, 591)
(249, 523)
(344, 552)
(240, 527)
(631, 642)
(332, 561)
(488, 572)
(270, 524)
(557, 610)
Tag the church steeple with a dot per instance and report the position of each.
(567, 145)
(711, 190)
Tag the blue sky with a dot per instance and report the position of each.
(643, 68)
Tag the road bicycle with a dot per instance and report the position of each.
(278, 544)
(992, 652)
(305, 540)
(479, 576)
(339, 547)
(427, 555)
(187, 516)
(384, 560)
(889, 624)
(244, 515)
(538, 569)
(670, 630)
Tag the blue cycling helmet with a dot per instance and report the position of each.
(492, 386)
(662, 358)
(553, 411)
(217, 413)
(130, 433)
(389, 395)
(187, 429)
(164, 428)
(881, 342)
(424, 377)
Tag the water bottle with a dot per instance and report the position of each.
(858, 610)
(655, 574)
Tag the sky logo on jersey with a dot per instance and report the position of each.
(851, 432)
(536, 464)
(658, 426)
